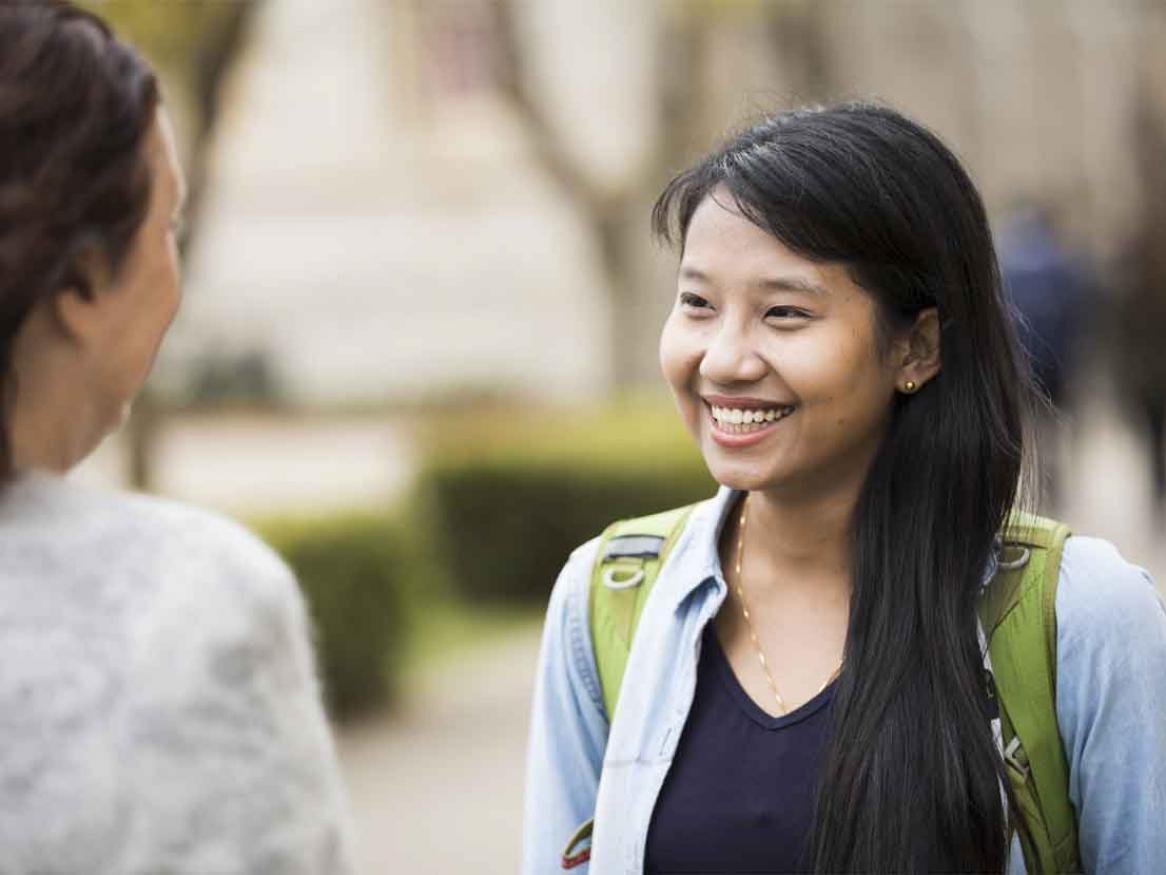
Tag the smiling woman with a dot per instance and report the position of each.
(798, 681)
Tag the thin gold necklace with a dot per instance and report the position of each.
(749, 620)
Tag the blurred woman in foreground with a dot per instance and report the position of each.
(159, 709)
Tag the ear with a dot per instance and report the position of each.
(917, 353)
(78, 309)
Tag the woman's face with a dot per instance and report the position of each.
(139, 303)
(773, 359)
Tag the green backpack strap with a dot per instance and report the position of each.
(1018, 613)
(631, 554)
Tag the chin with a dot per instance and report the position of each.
(121, 417)
(745, 484)
(740, 475)
(87, 447)
(113, 420)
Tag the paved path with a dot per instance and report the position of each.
(437, 788)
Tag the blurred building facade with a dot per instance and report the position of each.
(447, 198)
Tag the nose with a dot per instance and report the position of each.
(730, 358)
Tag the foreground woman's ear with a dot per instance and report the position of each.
(918, 352)
(77, 309)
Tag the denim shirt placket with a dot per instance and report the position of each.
(712, 591)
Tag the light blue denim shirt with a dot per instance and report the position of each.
(1111, 707)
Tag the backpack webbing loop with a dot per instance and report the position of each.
(631, 553)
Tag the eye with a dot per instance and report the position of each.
(786, 314)
(694, 302)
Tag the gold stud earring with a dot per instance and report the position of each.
(910, 386)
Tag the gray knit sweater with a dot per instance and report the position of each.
(159, 710)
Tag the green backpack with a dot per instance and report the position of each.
(1017, 611)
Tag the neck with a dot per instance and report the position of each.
(35, 444)
(807, 539)
(49, 419)
(802, 531)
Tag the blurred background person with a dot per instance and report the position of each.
(1139, 336)
(1139, 352)
(160, 710)
(1048, 290)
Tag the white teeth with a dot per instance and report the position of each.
(738, 416)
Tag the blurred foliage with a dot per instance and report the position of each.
(173, 33)
(506, 495)
(356, 571)
(515, 493)
(448, 630)
(634, 430)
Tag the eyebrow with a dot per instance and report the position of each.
(792, 284)
(777, 283)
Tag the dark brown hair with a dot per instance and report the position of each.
(76, 104)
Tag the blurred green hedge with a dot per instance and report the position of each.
(514, 495)
(354, 570)
(501, 501)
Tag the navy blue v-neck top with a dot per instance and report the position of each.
(739, 796)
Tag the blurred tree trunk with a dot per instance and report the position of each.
(799, 34)
(194, 45)
(797, 31)
(616, 217)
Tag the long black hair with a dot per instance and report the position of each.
(911, 781)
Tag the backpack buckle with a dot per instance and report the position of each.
(628, 553)
(630, 582)
(1015, 756)
(1012, 564)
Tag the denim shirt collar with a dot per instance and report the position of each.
(695, 561)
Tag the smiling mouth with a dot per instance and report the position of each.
(742, 420)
